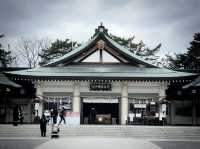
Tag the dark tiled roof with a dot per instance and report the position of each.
(104, 36)
(105, 71)
(144, 70)
(6, 82)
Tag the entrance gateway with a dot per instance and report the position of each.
(106, 109)
(100, 110)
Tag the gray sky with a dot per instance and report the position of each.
(170, 22)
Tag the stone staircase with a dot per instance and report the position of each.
(139, 132)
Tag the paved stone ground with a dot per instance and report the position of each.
(21, 143)
(98, 143)
(94, 143)
(178, 144)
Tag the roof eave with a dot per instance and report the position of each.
(105, 77)
(71, 54)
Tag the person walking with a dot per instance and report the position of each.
(62, 116)
(43, 125)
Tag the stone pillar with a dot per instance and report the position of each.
(124, 103)
(76, 97)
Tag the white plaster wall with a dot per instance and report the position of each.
(147, 87)
(133, 87)
(55, 86)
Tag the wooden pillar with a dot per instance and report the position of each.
(76, 98)
(172, 112)
(193, 111)
(124, 103)
(162, 106)
(39, 94)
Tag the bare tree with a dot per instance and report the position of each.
(29, 50)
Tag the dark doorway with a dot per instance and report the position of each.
(100, 113)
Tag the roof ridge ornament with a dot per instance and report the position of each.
(101, 29)
(101, 44)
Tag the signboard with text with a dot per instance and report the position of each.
(97, 86)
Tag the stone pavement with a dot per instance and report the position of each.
(178, 144)
(23, 143)
(97, 143)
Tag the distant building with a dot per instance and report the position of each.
(103, 82)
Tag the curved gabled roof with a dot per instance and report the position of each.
(64, 68)
(101, 34)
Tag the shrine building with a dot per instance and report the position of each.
(104, 79)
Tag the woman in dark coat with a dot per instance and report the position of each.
(55, 114)
(43, 125)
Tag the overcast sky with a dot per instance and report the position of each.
(169, 22)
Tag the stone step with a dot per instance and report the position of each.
(153, 132)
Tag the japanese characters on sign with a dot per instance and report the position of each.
(100, 86)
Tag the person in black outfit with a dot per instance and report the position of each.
(62, 116)
(55, 114)
(43, 123)
(92, 115)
